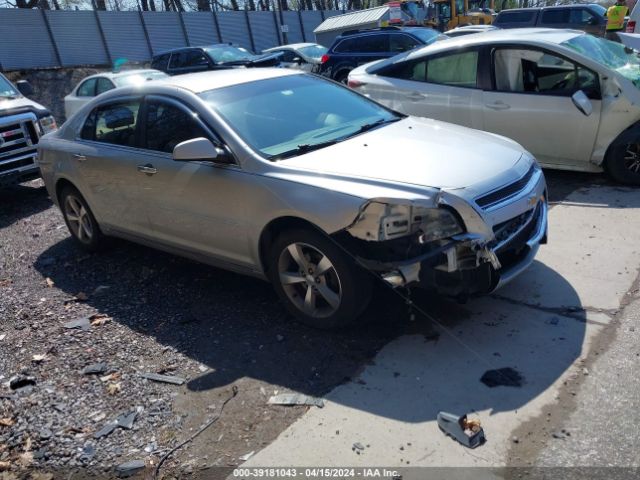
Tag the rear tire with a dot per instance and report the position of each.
(318, 282)
(80, 220)
(623, 163)
(342, 77)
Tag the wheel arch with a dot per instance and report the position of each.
(62, 183)
(276, 226)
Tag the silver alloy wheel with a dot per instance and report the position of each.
(78, 218)
(632, 157)
(309, 280)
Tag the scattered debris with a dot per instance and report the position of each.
(3, 336)
(163, 378)
(6, 422)
(98, 319)
(21, 381)
(124, 420)
(506, 377)
(95, 369)
(38, 358)
(111, 377)
(295, 399)
(515, 439)
(357, 446)
(247, 456)
(468, 432)
(82, 323)
(585, 371)
(99, 290)
(114, 388)
(4, 466)
(203, 368)
(49, 282)
(129, 468)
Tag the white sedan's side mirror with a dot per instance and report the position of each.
(582, 102)
(199, 149)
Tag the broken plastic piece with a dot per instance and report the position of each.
(296, 399)
(468, 432)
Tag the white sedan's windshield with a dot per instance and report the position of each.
(612, 55)
(294, 114)
(224, 54)
(6, 89)
(313, 51)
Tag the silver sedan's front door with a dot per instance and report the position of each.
(532, 104)
(194, 206)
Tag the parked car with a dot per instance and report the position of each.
(214, 57)
(22, 123)
(588, 17)
(301, 56)
(356, 47)
(570, 98)
(469, 30)
(633, 20)
(291, 177)
(103, 82)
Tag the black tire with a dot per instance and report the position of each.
(71, 196)
(344, 276)
(342, 77)
(623, 163)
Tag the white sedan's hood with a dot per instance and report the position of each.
(418, 151)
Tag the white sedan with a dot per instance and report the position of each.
(570, 98)
(94, 85)
(299, 56)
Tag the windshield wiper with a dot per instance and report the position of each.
(370, 126)
(304, 148)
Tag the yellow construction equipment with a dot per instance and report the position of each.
(449, 14)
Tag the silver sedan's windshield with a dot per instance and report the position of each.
(286, 116)
(138, 78)
(612, 55)
(6, 89)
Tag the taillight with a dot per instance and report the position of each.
(355, 83)
(631, 26)
(324, 58)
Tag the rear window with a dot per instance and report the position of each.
(516, 17)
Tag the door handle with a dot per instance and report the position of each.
(416, 96)
(78, 157)
(148, 169)
(497, 106)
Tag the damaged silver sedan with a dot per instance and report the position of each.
(299, 180)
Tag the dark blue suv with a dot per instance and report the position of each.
(356, 47)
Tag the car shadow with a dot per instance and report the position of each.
(236, 326)
(21, 201)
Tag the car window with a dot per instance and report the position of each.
(196, 58)
(516, 17)
(104, 85)
(537, 72)
(114, 124)
(287, 55)
(168, 125)
(373, 44)
(414, 71)
(580, 16)
(402, 43)
(178, 60)
(346, 46)
(161, 62)
(458, 69)
(87, 89)
(555, 15)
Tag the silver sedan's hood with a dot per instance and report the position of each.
(418, 151)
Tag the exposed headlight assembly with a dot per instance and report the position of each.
(48, 124)
(381, 221)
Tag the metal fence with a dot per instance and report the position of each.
(64, 38)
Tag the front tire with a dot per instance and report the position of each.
(318, 282)
(623, 164)
(80, 220)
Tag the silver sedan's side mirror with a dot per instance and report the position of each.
(199, 149)
(582, 102)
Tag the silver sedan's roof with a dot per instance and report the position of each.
(204, 81)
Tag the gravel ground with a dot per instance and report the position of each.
(148, 312)
(153, 312)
